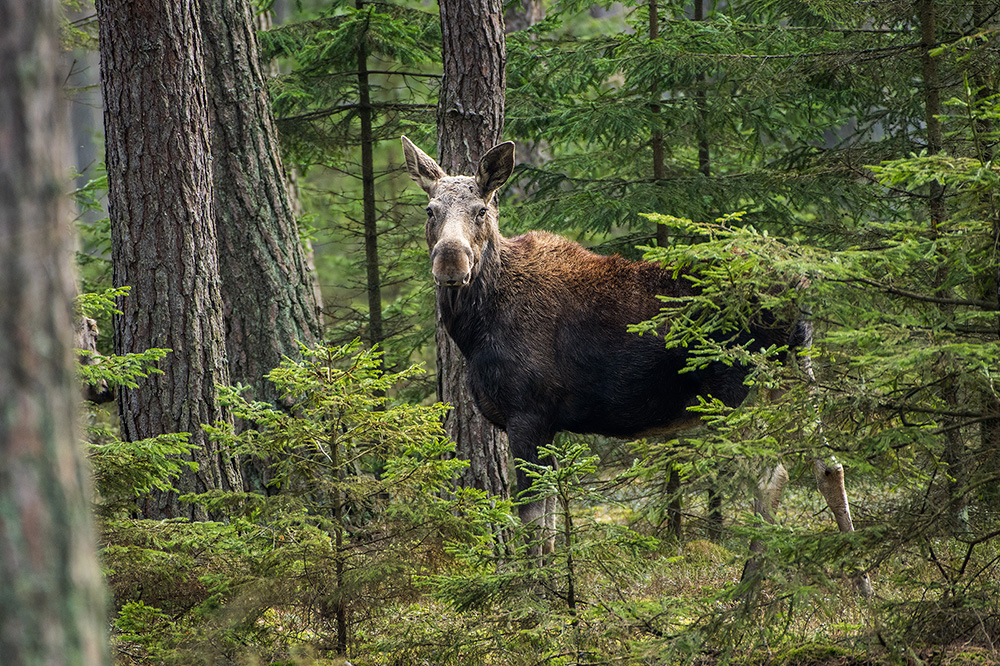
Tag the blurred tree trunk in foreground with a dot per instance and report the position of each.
(52, 600)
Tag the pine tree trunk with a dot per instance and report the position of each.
(52, 599)
(470, 122)
(262, 23)
(989, 430)
(656, 136)
(163, 231)
(373, 277)
(715, 518)
(268, 290)
(954, 455)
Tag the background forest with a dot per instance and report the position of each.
(322, 514)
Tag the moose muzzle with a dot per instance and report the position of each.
(451, 264)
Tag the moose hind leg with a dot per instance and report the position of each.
(766, 500)
(769, 490)
(549, 530)
(830, 482)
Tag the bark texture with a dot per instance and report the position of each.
(52, 599)
(163, 230)
(267, 286)
(268, 290)
(470, 122)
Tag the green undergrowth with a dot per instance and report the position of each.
(363, 549)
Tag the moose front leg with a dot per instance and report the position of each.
(538, 514)
(830, 481)
(540, 517)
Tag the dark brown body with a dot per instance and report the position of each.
(543, 323)
(544, 329)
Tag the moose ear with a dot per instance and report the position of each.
(422, 168)
(495, 168)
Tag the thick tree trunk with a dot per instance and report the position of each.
(163, 231)
(268, 292)
(473, 89)
(523, 15)
(52, 600)
(470, 122)
(263, 22)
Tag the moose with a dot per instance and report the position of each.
(543, 325)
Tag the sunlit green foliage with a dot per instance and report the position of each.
(365, 507)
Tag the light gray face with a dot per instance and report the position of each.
(461, 213)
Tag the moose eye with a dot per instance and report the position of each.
(430, 212)
(482, 211)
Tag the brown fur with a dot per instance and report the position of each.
(543, 323)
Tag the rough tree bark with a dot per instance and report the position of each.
(163, 231)
(268, 293)
(52, 599)
(470, 122)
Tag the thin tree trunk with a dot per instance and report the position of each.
(656, 140)
(52, 598)
(989, 429)
(954, 455)
(340, 606)
(932, 103)
(163, 232)
(372, 273)
(674, 505)
(523, 15)
(716, 521)
(715, 517)
(701, 105)
(470, 122)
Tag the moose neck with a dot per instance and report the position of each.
(467, 312)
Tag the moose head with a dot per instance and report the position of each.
(462, 217)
